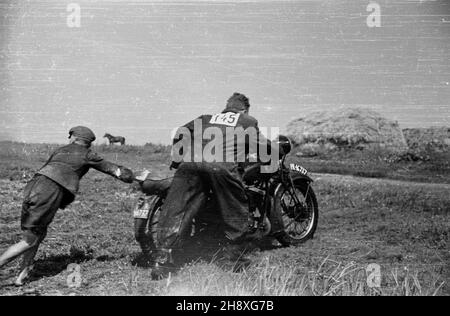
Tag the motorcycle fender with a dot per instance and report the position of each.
(145, 206)
(301, 177)
(295, 178)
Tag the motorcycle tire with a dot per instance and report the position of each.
(300, 221)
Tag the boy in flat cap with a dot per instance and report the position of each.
(54, 187)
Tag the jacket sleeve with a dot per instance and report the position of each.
(263, 141)
(190, 127)
(119, 172)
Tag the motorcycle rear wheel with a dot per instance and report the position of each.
(145, 229)
(148, 228)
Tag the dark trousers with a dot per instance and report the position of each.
(188, 195)
(42, 199)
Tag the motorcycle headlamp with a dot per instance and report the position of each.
(284, 144)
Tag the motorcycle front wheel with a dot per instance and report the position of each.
(299, 209)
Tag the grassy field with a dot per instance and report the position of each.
(431, 166)
(402, 226)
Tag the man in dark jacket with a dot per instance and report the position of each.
(54, 187)
(201, 170)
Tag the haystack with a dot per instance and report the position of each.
(359, 128)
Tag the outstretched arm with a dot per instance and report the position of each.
(119, 172)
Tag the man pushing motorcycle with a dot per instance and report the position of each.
(210, 154)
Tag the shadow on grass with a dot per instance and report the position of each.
(53, 265)
(207, 247)
(47, 267)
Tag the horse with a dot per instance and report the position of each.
(115, 139)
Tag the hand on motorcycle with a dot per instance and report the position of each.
(139, 178)
(142, 176)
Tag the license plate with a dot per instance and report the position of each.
(298, 168)
(142, 209)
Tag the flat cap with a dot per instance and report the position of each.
(82, 132)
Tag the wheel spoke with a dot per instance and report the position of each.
(294, 200)
(294, 220)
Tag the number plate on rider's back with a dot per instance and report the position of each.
(298, 168)
(141, 210)
(229, 119)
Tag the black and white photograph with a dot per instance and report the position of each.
(224, 153)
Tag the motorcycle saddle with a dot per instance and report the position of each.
(156, 187)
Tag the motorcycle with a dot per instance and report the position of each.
(287, 191)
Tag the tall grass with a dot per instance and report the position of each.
(271, 277)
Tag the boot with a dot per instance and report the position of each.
(144, 260)
(162, 265)
(283, 238)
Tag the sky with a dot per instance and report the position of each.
(140, 69)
